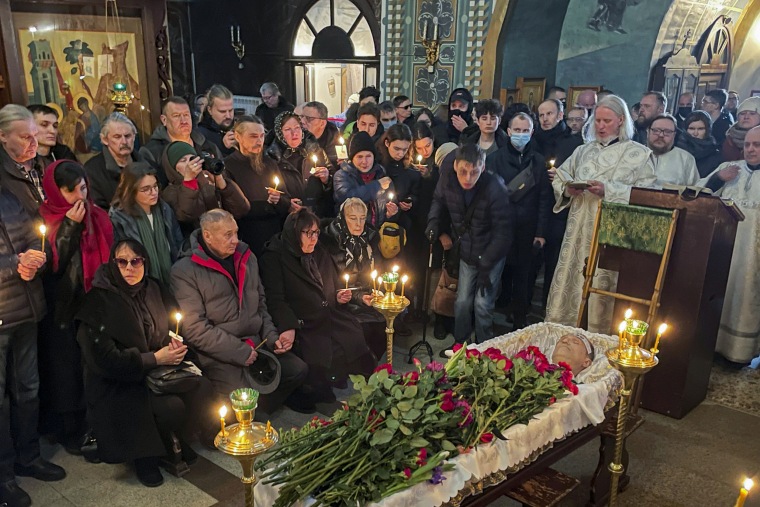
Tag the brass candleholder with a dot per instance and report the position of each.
(120, 98)
(390, 305)
(633, 362)
(247, 439)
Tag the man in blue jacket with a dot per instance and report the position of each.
(482, 221)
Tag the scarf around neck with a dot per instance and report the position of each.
(156, 243)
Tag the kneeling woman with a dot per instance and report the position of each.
(124, 333)
(306, 300)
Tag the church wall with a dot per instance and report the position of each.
(745, 75)
(531, 42)
(463, 27)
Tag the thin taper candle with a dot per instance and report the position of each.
(177, 317)
(222, 415)
(43, 230)
(345, 277)
(404, 279)
(374, 281)
(621, 330)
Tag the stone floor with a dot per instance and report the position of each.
(699, 460)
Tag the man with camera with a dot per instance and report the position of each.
(177, 126)
(198, 183)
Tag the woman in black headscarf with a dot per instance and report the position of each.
(304, 165)
(124, 333)
(307, 300)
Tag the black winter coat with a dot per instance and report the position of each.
(20, 301)
(103, 174)
(264, 220)
(296, 301)
(534, 208)
(117, 358)
(268, 114)
(406, 183)
(473, 136)
(489, 237)
(557, 143)
(327, 141)
(15, 180)
(214, 133)
(295, 168)
(706, 152)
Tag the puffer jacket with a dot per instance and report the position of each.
(221, 313)
(20, 301)
(348, 183)
(192, 199)
(489, 237)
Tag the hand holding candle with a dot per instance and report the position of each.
(43, 231)
(276, 182)
(340, 150)
(346, 277)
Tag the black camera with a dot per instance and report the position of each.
(212, 164)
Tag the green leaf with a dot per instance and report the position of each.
(448, 446)
(388, 384)
(382, 436)
(403, 429)
(404, 406)
(392, 424)
(412, 415)
(419, 442)
(410, 391)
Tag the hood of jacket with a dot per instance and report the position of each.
(161, 134)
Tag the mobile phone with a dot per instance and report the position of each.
(407, 200)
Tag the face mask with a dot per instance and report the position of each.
(388, 123)
(684, 111)
(519, 140)
(457, 112)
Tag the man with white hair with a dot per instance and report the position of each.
(273, 103)
(738, 336)
(605, 168)
(104, 170)
(20, 172)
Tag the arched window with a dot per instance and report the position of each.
(334, 29)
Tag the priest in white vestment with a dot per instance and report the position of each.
(739, 334)
(612, 164)
(672, 165)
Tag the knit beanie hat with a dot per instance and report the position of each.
(750, 104)
(360, 141)
(178, 149)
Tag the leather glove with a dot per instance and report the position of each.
(484, 282)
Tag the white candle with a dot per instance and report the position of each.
(276, 182)
(232, 34)
(404, 279)
(222, 415)
(374, 281)
(177, 317)
(345, 277)
(435, 30)
(43, 230)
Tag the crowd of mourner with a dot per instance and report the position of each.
(247, 225)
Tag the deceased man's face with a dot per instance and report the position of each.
(573, 350)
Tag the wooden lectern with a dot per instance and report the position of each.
(692, 298)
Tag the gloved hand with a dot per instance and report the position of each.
(484, 282)
(431, 235)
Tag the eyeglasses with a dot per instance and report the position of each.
(662, 132)
(575, 120)
(137, 262)
(268, 97)
(408, 106)
(148, 189)
(309, 119)
(311, 234)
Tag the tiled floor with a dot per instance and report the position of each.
(696, 461)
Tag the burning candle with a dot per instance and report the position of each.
(419, 159)
(345, 277)
(390, 197)
(628, 314)
(404, 279)
(621, 330)
(340, 150)
(395, 268)
(276, 182)
(380, 280)
(663, 327)
(314, 159)
(177, 317)
(551, 163)
(43, 230)
(748, 483)
(374, 281)
(222, 415)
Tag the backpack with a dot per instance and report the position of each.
(392, 239)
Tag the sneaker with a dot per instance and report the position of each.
(13, 496)
(148, 472)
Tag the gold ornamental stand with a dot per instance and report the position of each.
(633, 362)
(390, 306)
(247, 439)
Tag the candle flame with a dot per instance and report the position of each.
(419, 159)
(43, 229)
(244, 395)
(345, 277)
(628, 314)
(748, 483)
(373, 274)
(390, 196)
(314, 158)
(341, 140)
(177, 316)
(276, 181)
(551, 162)
(223, 411)
(395, 268)
(379, 279)
(663, 327)
(404, 279)
(621, 327)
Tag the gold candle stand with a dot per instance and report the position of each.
(247, 439)
(633, 362)
(390, 305)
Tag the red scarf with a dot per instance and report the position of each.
(97, 236)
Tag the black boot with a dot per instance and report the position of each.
(12, 495)
(148, 472)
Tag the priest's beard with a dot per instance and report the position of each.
(257, 161)
(604, 141)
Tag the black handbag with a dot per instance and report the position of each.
(521, 184)
(173, 379)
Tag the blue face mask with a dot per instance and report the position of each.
(519, 141)
(388, 123)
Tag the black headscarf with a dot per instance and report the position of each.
(143, 298)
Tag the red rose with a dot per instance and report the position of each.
(565, 365)
(422, 457)
(552, 400)
(448, 404)
(509, 364)
(387, 367)
(494, 354)
(456, 347)
(408, 472)
(411, 378)
(486, 438)
(472, 353)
